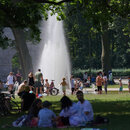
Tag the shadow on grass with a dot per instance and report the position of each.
(118, 113)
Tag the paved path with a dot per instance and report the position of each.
(124, 81)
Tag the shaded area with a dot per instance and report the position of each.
(118, 111)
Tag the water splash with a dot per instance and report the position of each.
(54, 61)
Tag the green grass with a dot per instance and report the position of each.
(115, 86)
(113, 105)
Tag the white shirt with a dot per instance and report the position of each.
(10, 79)
(105, 78)
(76, 118)
(86, 107)
(45, 116)
(85, 76)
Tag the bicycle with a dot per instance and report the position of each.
(53, 90)
(7, 105)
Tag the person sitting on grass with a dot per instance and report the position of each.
(21, 88)
(85, 106)
(27, 99)
(32, 117)
(46, 116)
(70, 113)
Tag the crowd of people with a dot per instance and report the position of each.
(37, 84)
(71, 114)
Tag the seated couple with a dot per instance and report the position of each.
(73, 114)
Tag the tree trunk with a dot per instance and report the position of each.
(23, 52)
(105, 57)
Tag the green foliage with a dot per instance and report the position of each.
(116, 72)
(83, 30)
(15, 63)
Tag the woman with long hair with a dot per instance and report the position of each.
(70, 113)
(32, 118)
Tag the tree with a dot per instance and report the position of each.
(101, 13)
(22, 16)
(18, 17)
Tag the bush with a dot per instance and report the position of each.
(116, 72)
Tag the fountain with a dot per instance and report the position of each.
(54, 60)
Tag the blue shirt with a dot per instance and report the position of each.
(45, 116)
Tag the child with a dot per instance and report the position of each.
(64, 84)
(129, 84)
(46, 116)
(121, 87)
(47, 86)
(81, 85)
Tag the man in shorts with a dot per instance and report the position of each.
(38, 81)
(99, 81)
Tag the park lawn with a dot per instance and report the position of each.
(113, 105)
(115, 86)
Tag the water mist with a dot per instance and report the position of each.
(54, 60)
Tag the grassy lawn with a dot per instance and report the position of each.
(115, 86)
(113, 105)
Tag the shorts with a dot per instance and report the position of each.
(121, 89)
(63, 88)
(99, 88)
(38, 84)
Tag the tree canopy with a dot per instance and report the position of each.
(86, 20)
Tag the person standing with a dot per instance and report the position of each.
(85, 77)
(64, 85)
(72, 84)
(85, 106)
(105, 82)
(10, 82)
(47, 86)
(99, 81)
(18, 77)
(38, 81)
(31, 81)
(121, 86)
(110, 78)
(129, 84)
